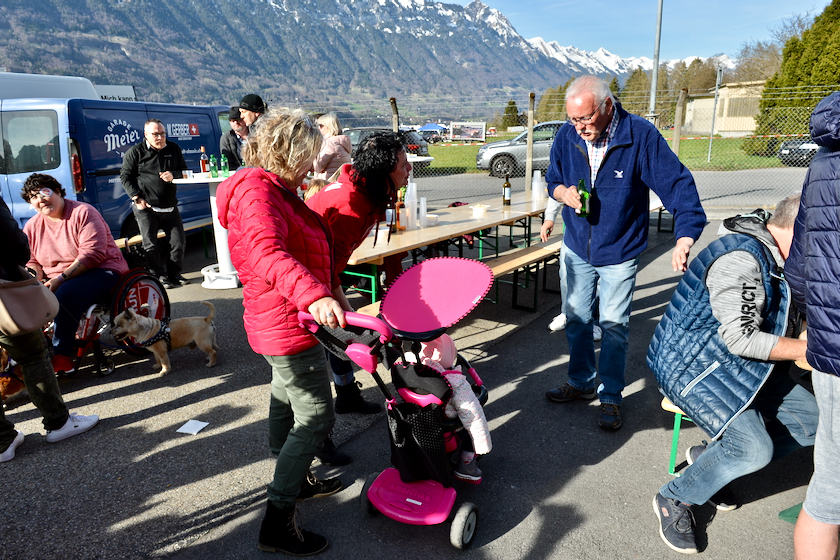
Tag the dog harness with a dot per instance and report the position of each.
(163, 334)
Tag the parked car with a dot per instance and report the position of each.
(431, 136)
(414, 143)
(507, 157)
(797, 153)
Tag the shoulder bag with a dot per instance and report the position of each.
(25, 306)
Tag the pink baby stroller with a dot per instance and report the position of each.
(420, 305)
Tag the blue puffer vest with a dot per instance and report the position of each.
(688, 357)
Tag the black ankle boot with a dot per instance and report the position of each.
(350, 399)
(331, 456)
(279, 532)
(313, 487)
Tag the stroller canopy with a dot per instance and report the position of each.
(435, 294)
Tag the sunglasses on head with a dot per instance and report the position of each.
(45, 192)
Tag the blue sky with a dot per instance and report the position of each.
(627, 28)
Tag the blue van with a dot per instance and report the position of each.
(81, 142)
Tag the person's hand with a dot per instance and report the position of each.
(141, 203)
(54, 283)
(546, 229)
(327, 311)
(679, 257)
(166, 176)
(568, 196)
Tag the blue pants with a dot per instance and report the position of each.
(782, 418)
(616, 297)
(75, 296)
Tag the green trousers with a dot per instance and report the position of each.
(31, 352)
(300, 417)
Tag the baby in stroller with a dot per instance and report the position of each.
(441, 355)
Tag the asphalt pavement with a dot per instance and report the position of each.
(555, 485)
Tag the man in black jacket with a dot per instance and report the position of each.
(147, 173)
(231, 143)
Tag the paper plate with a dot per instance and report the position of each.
(435, 294)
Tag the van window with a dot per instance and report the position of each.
(30, 141)
(224, 122)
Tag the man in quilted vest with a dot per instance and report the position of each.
(722, 353)
(815, 283)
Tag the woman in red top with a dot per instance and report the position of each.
(282, 253)
(351, 207)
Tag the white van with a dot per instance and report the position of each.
(23, 86)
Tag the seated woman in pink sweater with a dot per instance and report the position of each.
(73, 253)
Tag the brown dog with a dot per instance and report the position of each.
(189, 331)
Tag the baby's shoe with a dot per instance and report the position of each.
(468, 470)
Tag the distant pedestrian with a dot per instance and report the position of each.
(147, 173)
(335, 151)
(232, 141)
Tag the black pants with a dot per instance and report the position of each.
(149, 222)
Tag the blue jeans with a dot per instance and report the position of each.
(782, 419)
(300, 417)
(617, 283)
(342, 370)
(75, 296)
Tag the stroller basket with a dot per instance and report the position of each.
(417, 443)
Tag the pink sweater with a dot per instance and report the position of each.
(81, 234)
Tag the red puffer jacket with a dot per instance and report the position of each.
(281, 250)
(348, 213)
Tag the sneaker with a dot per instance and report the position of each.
(597, 333)
(63, 364)
(676, 524)
(567, 393)
(182, 281)
(9, 454)
(468, 471)
(724, 499)
(314, 488)
(558, 323)
(609, 417)
(75, 425)
(166, 282)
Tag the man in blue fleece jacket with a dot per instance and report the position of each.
(620, 158)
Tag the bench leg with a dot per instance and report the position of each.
(675, 439)
(531, 271)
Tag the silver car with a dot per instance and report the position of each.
(507, 157)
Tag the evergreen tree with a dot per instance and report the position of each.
(635, 96)
(511, 115)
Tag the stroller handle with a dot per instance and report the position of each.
(308, 322)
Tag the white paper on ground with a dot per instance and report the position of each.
(193, 427)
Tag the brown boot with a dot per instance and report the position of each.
(279, 532)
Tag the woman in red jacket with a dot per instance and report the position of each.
(282, 252)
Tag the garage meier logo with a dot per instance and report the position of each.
(182, 130)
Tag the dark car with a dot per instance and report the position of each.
(414, 143)
(797, 153)
(431, 136)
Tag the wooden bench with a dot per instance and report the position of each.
(527, 260)
(126, 242)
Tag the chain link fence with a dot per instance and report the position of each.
(747, 147)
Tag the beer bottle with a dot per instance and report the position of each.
(584, 199)
(506, 191)
(205, 161)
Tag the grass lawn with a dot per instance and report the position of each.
(727, 155)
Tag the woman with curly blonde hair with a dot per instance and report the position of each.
(281, 250)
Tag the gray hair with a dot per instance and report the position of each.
(592, 84)
(785, 214)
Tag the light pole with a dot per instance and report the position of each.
(652, 116)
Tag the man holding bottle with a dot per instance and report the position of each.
(619, 157)
(147, 173)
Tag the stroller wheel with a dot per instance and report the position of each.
(463, 526)
(364, 502)
(105, 367)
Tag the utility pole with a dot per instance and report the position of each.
(652, 116)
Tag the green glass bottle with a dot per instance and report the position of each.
(214, 169)
(584, 199)
(224, 167)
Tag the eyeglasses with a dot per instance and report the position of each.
(586, 120)
(46, 192)
(157, 134)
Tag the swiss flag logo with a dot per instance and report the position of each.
(194, 130)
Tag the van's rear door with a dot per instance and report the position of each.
(34, 140)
